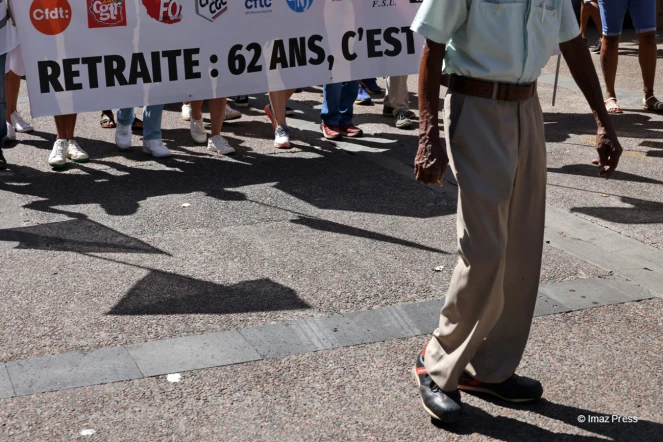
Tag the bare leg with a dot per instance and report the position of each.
(609, 58)
(595, 12)
(278, 101)
(12, 86)
(647, 55)
(584, 17)
(197, 110)
(71, 125)
(61, 126)
(217, 111)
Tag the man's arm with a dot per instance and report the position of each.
(431, 160)
(580, 64)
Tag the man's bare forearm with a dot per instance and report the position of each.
(430, 76)
(582, 69)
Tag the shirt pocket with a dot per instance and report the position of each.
(545, 20)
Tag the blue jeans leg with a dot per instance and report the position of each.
(152, 122)
(125, 116)
(3, 101)
(347, 100)
(330, 114)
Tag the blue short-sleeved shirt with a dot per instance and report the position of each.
(497, 40)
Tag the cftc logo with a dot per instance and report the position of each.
(299, 5)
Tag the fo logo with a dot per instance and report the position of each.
(164, 11)
(50, 17)
(106, 13)
(211, 9)
(299, 5)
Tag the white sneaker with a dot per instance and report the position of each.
(219, 144)
(198, 131)
(282, 138)
(75, 153)
(156, 148)
(186, 112)
(20, 124)
(123, 136)
(231, 114)
(58, 157)
(11, 133)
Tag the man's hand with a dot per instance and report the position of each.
(430, 163)
(609, 150)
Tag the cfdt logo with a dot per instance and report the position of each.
(258, 6)
(299, 5)
(211, 9)
(50, 17)
(106, 13)
(164, 11)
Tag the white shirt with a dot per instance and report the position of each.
(8, 33)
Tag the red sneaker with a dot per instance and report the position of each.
(331, 132)
(352, 131)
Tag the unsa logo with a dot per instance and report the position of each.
(211, 9)
(50, 17)
(164, 11)
(299, 5)
(106, 13)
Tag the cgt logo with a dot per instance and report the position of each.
(300, 5)
(164, 11)
(106, 13)
(50, 17)
(211, 9)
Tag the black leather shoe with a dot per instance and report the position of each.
(515, 389)
(443, 406)
(3, 162)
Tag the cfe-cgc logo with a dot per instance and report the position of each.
(106, 13)
(211, 9)
(300, 5)
(164, 11)
(50, 17)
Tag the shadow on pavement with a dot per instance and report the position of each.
(161, 293)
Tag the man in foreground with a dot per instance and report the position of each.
(493, 53)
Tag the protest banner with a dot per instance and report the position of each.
(86, 55)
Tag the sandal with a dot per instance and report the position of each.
(137, 124)
(656, 107)
(613, 108)
(107, 120)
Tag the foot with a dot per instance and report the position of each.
(231, 114)
(137, 125)
(442, 406)
(282, 137)
(612, 106)
(107, 120)
(362, 97)
(219, 144)
(186, 112)
(331, 132)
(241, 101)
(156, 148)
(371, 86)
(123, 136)
(270, 114)
(652, 104)
(11, 133)
(289, 111)
(58, 157)
(3, 162)
(352, 131)
(75, 153)
(20, 124)
(402, 121)
(514, 389)
(597, 47)
(197, 129)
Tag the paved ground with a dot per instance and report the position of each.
(104, 255)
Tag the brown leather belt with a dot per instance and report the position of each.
(489, 89)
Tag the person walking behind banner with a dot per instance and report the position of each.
(396, 103)
(337, 108)
(494, 130)
(152, 141)
(590, 8)
(643, 15)
(14, 70)
(8, 41)
(276, 111)
(231, 114)
(217, 110)
(66, 147)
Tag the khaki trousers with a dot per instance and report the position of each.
(396, 95)
(497, 153)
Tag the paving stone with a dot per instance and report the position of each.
(419, 318)
(6, 388)
(335, 331)
(380, 323)
(594, 292)
(192, 353)
(278, 340)
(649, 279)
(72, 370)
(547, 306)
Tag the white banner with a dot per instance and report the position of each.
(88, 55)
